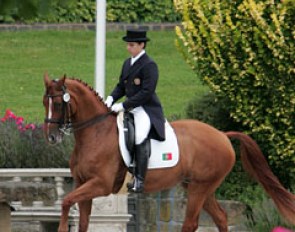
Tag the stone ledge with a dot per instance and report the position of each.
(88, 26)
(54, 216)
(166, 212)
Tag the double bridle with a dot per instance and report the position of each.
(65, 121)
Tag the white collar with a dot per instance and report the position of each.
(134, 59)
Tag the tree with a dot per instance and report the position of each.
(27, 9)
(244, 51)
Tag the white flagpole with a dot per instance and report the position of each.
(100, 50)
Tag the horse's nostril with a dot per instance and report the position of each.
(51, 138)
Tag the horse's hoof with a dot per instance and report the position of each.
(62, 231)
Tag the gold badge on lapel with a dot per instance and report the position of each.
(137, 81)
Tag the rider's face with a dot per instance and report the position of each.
(134, 48)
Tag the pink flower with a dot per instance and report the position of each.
(30, 126)
(19, 121)
(281, 229)
(6, 116)
(10, 114)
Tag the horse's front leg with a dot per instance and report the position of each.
(85, 211)
(83, 193)
(63, 223)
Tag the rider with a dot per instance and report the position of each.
(138, 83)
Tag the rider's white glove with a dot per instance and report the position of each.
(109, 101)
(117, 107)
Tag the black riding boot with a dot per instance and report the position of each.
(142, 153)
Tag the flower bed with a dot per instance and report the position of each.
(22, 145)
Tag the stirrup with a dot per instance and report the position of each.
(130, 185)
(136, 190)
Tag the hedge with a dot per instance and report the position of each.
(54, 11)
(244, 50)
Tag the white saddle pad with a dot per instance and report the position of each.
(163, 154)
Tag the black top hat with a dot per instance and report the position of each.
(135, 36)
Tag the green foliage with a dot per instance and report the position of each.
(26, 10)
(141, 11)
(265, 217)
(55, 11)
(15, 9)
(212, 111)
(244, 50)
(74, 11)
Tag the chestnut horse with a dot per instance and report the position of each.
(206, 157)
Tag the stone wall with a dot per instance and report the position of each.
(36, 195)
(165, 211)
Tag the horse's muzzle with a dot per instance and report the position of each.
(54, 138)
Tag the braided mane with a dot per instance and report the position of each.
(89, 87)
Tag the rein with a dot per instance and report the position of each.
(65, 123)
(90, 122)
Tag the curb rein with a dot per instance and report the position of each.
(65, 123)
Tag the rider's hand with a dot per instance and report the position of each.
(117, 107)
(109, 101)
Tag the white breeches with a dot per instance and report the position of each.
(142, 124)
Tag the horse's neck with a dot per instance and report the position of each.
(86, 106)
(88, 109)
(100, 131)
(94, 115)
(87, 103)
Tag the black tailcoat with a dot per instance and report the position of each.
(138, 83)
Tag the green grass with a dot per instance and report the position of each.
(25, 56)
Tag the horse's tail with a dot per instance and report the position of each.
(256, 165)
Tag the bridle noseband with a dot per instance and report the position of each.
(65, 122)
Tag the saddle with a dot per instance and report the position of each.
(164, 154)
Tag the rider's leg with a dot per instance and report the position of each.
(142, 152)
(142, 147)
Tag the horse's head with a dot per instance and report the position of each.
(56, 101)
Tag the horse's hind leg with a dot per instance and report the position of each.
(216, 212)
(197, 194)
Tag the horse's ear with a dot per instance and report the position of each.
(64, 78)
(46, 79)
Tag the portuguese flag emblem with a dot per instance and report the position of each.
(167, 156)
